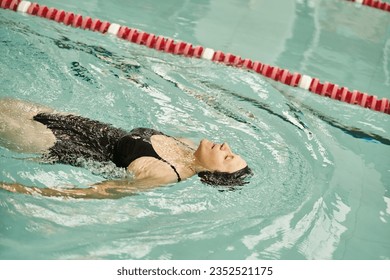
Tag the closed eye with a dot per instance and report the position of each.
(228, 157)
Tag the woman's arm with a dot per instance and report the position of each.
(103, 190)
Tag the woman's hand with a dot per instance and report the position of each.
(104, 190)
(18, 188)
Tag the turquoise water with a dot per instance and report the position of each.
(321, 183)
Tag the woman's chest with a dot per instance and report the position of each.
(175, 163)
(172, 150)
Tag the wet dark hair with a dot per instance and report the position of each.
(217, 178)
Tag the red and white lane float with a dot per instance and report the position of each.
(168, 45)
(373, 4)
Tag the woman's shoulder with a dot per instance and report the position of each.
(152, 169)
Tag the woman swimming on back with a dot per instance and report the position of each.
(151, 156)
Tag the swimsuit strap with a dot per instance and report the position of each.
(173, 167)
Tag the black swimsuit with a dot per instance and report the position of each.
(135, 145)
(78, 137)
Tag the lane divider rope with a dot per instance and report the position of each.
(373, 4)
(168, 45)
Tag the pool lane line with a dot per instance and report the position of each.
(373, 4)
(168, 45)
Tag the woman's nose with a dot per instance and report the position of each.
(225, 147)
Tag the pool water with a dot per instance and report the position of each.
(320, 188)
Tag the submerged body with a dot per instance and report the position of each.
(79, 139)
(151, 156)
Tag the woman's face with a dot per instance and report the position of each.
(218, 157)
